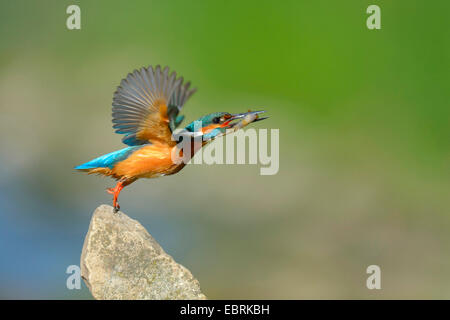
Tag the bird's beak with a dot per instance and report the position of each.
(245, 119)
(250, 113)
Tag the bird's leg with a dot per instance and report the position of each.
(122, 183)
(115, 191)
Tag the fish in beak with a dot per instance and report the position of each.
(245, 119)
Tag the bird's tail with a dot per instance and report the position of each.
(107, 161)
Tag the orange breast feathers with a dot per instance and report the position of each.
(147, 162)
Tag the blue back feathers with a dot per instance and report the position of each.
(110, 159)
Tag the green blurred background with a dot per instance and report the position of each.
(364, 143)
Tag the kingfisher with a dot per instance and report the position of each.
(145, 109)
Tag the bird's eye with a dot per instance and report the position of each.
(216, 120)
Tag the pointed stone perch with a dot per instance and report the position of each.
(121, 260)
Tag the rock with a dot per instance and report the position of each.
(121, 260)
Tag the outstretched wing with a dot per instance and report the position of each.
(177, 101)
(146, 105)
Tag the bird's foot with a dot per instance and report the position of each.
(115, 204)
(115, 191)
